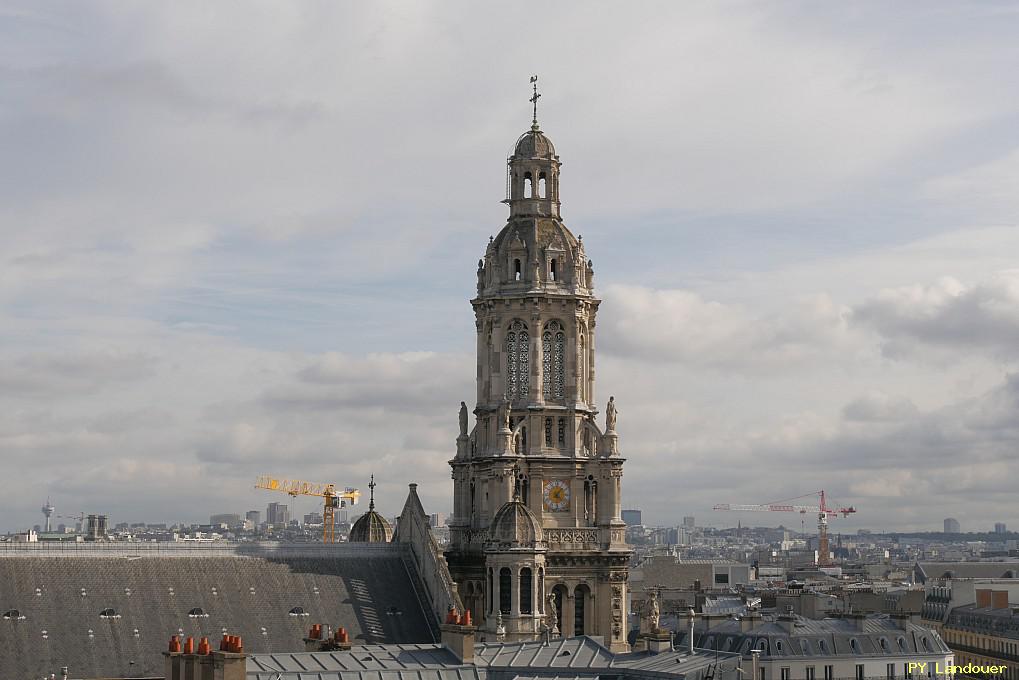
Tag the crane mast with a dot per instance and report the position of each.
(332, 498)
(822, 510)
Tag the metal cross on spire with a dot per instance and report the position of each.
(371, 486)
(534, 100)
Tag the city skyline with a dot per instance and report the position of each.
(226, 258)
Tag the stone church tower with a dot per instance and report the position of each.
(536, 534)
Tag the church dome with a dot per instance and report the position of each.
(514, 527)
(371, 527)
(534, 144)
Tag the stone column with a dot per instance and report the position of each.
(534, 494)
(483, 362)
(577, 357)
(569, 613)
(590, 362)
(497, 362)
(577, 501)
(515, 592)
(537, 395)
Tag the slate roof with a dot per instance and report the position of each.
(59, 596)
(985, 620)
(879, 636)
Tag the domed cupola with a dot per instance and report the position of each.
(514, 527)
(532, 179)
(371, 527)
(534, 145)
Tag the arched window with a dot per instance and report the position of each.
(526, 588)
(548, 433)
(528, 186)
(109, 613)
(518, 364)
(505, 583)
(198, 613)
(542, 183)
(517, 271)
(561, 435)
(579, 606)
(553, 358)
(553, 270)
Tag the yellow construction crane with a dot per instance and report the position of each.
(333, 498)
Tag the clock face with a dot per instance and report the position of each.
(556, 495)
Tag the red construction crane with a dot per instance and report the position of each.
(822, 510)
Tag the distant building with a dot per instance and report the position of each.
(631, 518)
(437, 519)
(227, 519)
(952, 526)
(999, 527)
(688, 523)
(314, 519)
(253, 516)
(855, 646)
(95, 527)
(277, 514)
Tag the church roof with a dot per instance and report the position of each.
(514, 527)
(107, 610)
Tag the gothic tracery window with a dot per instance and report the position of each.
(553, 360)
(517, 361)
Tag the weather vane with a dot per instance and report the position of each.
(371, 485)
(534, 99)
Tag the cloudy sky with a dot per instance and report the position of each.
(239, 238)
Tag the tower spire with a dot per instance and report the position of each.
(371, 486)
(534, 101)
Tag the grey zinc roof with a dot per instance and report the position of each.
(577, 652)
(358, 658)
(579, 658)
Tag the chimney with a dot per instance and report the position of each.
(204, 665)
(713, 620)
(983, 598)
(857, 620)
(172, 660)
(459, 638)
(749, 621)
(999, 599)
(189, 660)
(787, 620)
(230, 663)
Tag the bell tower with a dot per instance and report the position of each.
(535, 439)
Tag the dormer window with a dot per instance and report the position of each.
(553, 270)
(109, 613)
(517, 271)
(197, 613)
